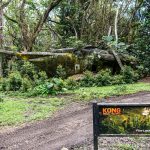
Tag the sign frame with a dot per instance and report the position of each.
(96, 119)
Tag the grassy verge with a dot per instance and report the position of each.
(88, 93)
(15, 110)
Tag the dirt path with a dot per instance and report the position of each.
(68, 127)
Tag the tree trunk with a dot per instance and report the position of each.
(116, 35)
(1, 38)
(2, 6)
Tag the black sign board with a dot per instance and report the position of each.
(120, 119)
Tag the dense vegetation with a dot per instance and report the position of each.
(31, 25)
(25, 77)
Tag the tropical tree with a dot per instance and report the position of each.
(29, 18)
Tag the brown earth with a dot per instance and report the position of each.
(70, 126)
(146, 80)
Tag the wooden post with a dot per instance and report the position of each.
(95, 124)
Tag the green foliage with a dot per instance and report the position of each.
(121, 46)
(141, 45)
(26, 84)
(12, 83)
(74, 42)
(52, 87)
(22, 77)
(120, 89)
(88, 80)
(118, 79)
(71, 84)
(105, 77)
(15, 82)
(27, 77)
(1, 99)
(129, 75)
(40, 78)
(89, 93)
(60, 72)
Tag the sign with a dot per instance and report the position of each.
(120, 120)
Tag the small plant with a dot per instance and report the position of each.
(129, 75)
(40, 78)
(26, 85)
(88, 80)
(52, 87)
(71, 84)
(60, 72)
(104, 78)
(118, 79)
(14, 81)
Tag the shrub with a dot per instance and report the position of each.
(88, 80)
(22, 78)
(40, 78)
(39, 90)
(2, 84)
(118, 79)
(71, 84)
(26, 85)
(53, 87)
(129, 75)
(13, 82)
(104, 78)
(60, 72)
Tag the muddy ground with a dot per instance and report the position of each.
(71, 128)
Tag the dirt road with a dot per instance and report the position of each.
(70, 126)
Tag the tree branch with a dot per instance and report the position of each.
(11, 19)
(41, 22)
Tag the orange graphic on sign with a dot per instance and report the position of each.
(111, 111)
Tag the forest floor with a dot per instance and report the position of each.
(71, 127)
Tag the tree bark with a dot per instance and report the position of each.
(116, 35)
(2, 6)
(1, 38)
